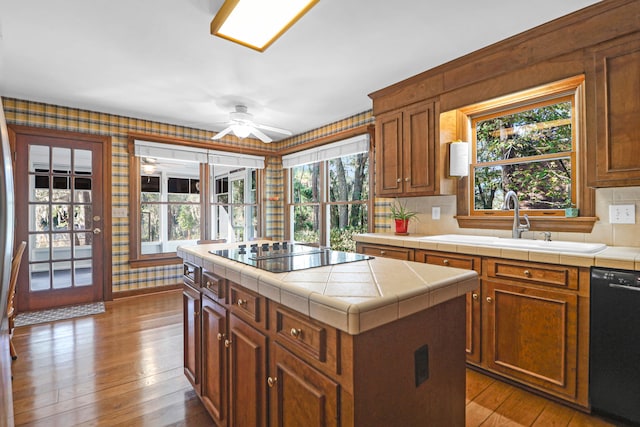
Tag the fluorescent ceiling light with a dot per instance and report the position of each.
(257, 23)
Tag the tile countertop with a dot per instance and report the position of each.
(353, 297)
(626, 258)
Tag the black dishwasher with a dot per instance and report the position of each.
(614, 364)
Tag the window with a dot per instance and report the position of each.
(329, 193)
(528, 149)
(183, 194)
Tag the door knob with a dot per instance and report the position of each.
(97, 231)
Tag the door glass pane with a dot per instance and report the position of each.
(39, 247)
(238, 222)
(82, 161)
(237, 191)
(61, 275)
(60, 217)
(82, 217)
(38, 158)
(61, 189)
(61, 246)
(82, 245)
(61, 160)
(82, 273)
(82, 190)
(38, 188)
(39, 277)
(39, 218)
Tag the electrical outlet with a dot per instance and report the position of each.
(622, 214)
(435, 212)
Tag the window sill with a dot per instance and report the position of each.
(581, 224)
(166, 259)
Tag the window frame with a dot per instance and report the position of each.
(136, 258)
(584, 195)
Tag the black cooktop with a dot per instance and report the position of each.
(282, 257)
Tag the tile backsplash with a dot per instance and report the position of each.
(603, 231)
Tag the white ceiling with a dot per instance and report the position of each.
(155, 59)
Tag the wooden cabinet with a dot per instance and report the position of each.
(474, 298)
(405, 148)
(530, 335)
(616, 67)
(214, 390)
(191, 302)
(405, 254)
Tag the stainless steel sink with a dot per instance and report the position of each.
(537, 245)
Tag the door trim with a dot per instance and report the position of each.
(106, 143)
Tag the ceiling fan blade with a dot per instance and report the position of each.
(273, 129)
(222, 133)
(261, 135)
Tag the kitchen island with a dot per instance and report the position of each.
(371, 342)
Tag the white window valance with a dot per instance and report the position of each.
(225, 158)
(196, 155)
(346, 147)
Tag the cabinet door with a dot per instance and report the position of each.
(301, 395)
(191, 321)
(247, 374)
(531, 335)
(388, 149)
(418, 149)
(214, 391)
(468, 262)
(617, 70)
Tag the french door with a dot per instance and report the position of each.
(60, 206)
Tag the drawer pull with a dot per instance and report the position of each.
(489, 300)
(383, 252)
(271, 381)
(474, 296)
(196, 313)
(241, 302)
(527, 273)
(445, 262)
(209, 284)
(296, 333)
(227, 343)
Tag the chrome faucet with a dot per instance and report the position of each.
(518, 227)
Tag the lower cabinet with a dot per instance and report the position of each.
(214, 382)
(192, 338)
(301, 395)
(530, 335)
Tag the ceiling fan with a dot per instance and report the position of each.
(242, 125)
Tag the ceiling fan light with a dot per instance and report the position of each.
(257, 23)
(241, 130)
(148, 169)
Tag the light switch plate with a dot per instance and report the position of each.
(622, 214)
(435, 212)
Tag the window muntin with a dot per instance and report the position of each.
(530, 150)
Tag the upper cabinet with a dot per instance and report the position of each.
(406, 151)
(616, 159)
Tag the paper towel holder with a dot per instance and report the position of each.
(459, 158)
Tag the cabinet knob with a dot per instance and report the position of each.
(383, 252)
(445, 262)
(527, 273)
(296, 332)
(406, 179)
(271, 381)
(220, 336)
(474, 296)
(227, 343)
(399, 180)
(209, 284)
(241, 302)
(489, 299)
(196, 313)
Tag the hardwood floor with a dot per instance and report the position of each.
(124, 367)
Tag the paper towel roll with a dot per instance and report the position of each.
(459, 159)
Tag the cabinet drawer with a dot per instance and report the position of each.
(191, 274)
(301, 335)
(246, 304)
(405, 254)
(450, 260)
(213, 285)
(544, 274)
